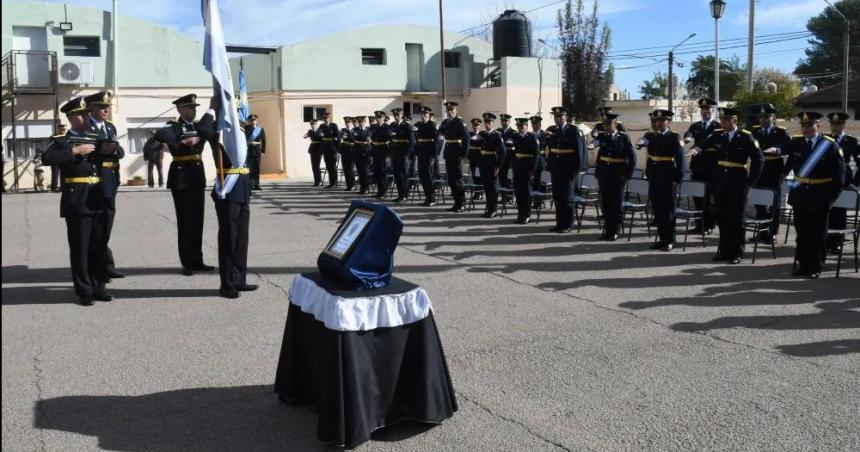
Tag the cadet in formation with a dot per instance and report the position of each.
(536, 123)
(507, 133)
(730, 182)
(82, 203)
(664, 169)
(380, 137)
(704, 163)
(186, 179)
(850, 150)
(315, 150)
(256, 138)
(345, 151)
(474, 156)
(425, 138)
(771, 138)
(492, 156)
(819, 175)
(330, 142)
(456, 137)
(361, 153)
(564, 147)
(100, 110)
(525, 164)
(616, 161)
(401, 147)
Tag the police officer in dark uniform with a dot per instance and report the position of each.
(315, 150)
(425, 138)
(82, 203)
(507, 133)
(850, 150)
(730, 183)
(186, 179)
(536, 122)
(100, 109)
(454, 133)
(703, 164)
(664, 169)
(771, 138)
(256, 138)
(361, 153)
(601, 126)
(345, 151)
(402, 145)
(564, 146)
(525, 164)
(819, 175)
(330, 136)
(380, 137)
(492, 156)
(474, 155)
(233, 211)
(616, 161)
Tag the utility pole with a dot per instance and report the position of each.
(670, 82)
(115, 53)
(846, 36)
(750, 47)
(442, 55)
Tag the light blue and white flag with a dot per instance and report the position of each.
(216, 62)
(243, 97)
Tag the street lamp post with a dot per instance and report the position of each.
(671, 65)
(718, 7)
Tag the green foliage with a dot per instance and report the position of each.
(654, 88)
(584, 45)
(825, 52)
(782, 98)
(701, 80)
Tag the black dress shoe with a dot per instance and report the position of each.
(667, 247)
(86, 301)
(612, 237)
(430, 204)
(115, 274)
(735, 261)
(491, 214)
(657, 245)
(458, 209)
(203, 268)
(527, 220)
(563, 230)
(103, 297)
(187, 271)
(229, 294)
(718, 258)
(814, 275)
(317, 184)
(247, 288)
(555, 229)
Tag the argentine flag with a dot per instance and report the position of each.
(243, 97)
(232, 138)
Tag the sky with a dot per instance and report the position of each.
(642, 30)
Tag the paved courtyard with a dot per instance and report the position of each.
(553, 342)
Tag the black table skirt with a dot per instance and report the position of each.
(363, 380)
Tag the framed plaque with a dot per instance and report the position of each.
(348, 234)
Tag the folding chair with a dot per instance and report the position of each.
(759, 197)
(849, 199)
(785, 210)
(687, 191)
(588, 194)
(540, 197)
(638, 174)
(636, 201)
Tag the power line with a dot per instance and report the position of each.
(701, 50)
(711, 42)
(547, 5)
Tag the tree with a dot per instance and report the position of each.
(824, 56)
(771, 86)
(584, 45)
(701, 80)
(654, 88)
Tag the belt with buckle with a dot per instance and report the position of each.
(728, 164)
(346, 143)
(110, 165)
(328, 139)
(523, 155)
(453, 142)
(255, 142)
(242, 170)
(773, 157)
(380, 143)
(808, 181)
(657, 158)
(561, 151)
(399, 141)
(488, 153)
(612, 159)
(82, 180)
(316, 142)
(426, 140)
(186, 158)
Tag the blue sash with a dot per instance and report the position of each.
(255, 133)
(810, 163)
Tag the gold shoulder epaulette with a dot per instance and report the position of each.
(746, 132)
(756, 127)
(828, 138)
(718, 130)
(57, 136)
(795, 137)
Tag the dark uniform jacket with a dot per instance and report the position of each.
(729, 177)
(108, 164)
(600, 127)
(830, 166)
(402, 137)
(492, 148)
(702, 166)
(153, 150)
(257, 147)
(850, 150)
(77, 198)
(527, 151)
(241, 191)
(380, 136)
(184, 174)
(360, 136)
(565, 138)
(611, 150)
(664, 145)
(330, 136)
(316, 141)
(346, 141)
(507, 137)
(455, 131)
(774, 165)
(425, 137)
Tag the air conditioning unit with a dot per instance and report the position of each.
(75, 72)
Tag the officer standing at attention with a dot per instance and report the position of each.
(703, 164)
(346, 145)
(360, 153)
(541, 164)
(564, 146)
(492, 155)
(474, 155)
(616, 161)
(771, 138)
(665, 168)
(380, 138)
(601, 126)
(315, 150)
(819, 175)
(256, 138)
(454, 133)
(850, 150)
(82, 203)
(731, 182)
(100, 106)
(186, 179)
(507, 133)
(525, 164)
(330, 136)
(402, 144)
(425, 138)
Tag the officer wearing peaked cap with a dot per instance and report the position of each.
(380, 137)
(850, 150)
(82, 203)
(454, 133)
(361, 153)
(771, 138)
(346, 154)
(425, 138)
(330, 136)
(255, 136)
(507, 133)
(819, 175)
(564, 147)
(616, 161)
(526, 155)
(474, 156)
(110, 152)
(664, 169)
(492, 155)
(703, 164)
(186, 180)
(315, 150)
(402, 146)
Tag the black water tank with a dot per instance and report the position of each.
(512, 35)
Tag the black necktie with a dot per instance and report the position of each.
(809, 144)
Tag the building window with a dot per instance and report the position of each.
(373, 57)
(310, 112)
(25, 148)
(452, 59)
(412, 109)
(137, 137)
(82, 46)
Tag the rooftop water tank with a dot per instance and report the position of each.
(512, 35)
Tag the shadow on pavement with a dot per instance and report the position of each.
(824, 348)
